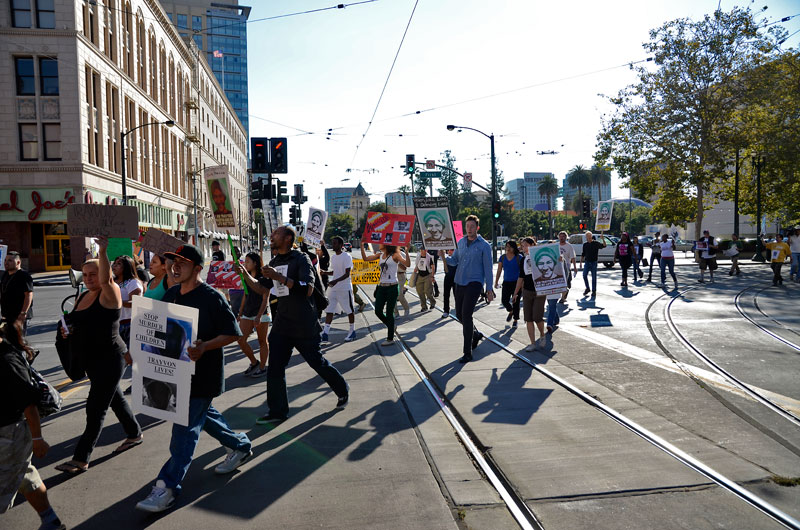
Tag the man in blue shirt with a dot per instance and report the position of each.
(473, 257)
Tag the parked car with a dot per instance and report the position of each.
(682, 245)
(645, 240)
(605, 256)
(348, 247)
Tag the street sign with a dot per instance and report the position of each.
(468, 181)
(430, 174)
(430, 164)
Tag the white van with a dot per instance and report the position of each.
(605, 256)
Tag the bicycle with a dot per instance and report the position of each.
(76, 279)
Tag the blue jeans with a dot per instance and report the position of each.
(552, 312)
(202, 416)
(664, 263)
(590, 266)
(795, 264)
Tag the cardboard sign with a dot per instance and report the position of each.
(433, 214)
(119, 246)
(221, 275)
(3, 254)
(93, 220)
(547, 269)
(458, 230)
(388, 229)
(162, 371)
(365, 272)
(315, 227)
(604, 212)
(219, 196)
(159, 242)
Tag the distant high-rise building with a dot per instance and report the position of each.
(525, 191)
(591, 191)
(337, 200)
(399, 202)
(220, 30)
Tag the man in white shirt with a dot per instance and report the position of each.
(794, 246)
(708, 255)
(568, 256)
(340, 289)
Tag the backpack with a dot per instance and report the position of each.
(320, 300)
(50, 401)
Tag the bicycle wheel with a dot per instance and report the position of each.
(68, 303)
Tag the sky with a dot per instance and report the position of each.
(532, 73)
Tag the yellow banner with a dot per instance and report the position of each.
(365, 272)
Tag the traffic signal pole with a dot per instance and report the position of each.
(494, 201)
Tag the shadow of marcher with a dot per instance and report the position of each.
(507, 399)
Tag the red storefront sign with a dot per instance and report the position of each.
(38, 204)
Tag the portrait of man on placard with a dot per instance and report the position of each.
(219, 197)
(315, 223)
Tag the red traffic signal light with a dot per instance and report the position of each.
(582, 225)
(278, 161)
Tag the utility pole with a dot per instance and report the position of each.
(736, 196)
(494, 201)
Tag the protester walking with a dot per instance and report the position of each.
(324, 260)
(473, 257)
(20, 429)
(387, 290)
(734, 248)
(708, 256)
(254, 314)
(401, 293)
(340, 290)
(160, 280)
(532, 304)
(295, 325)
(567, 254)
(216, 328)
(125, 276)
(624, 255)
(638, 252)
(16, 293)
(667, 261)
(424, 269)
(509, 265)
(589, 256)
(449, 283)
(778, 253)
(216, 252)
(655, 255)
(94, 331)
(794, 246)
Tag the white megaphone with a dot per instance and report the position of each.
(75, 278)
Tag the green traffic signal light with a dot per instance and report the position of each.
(496, 215)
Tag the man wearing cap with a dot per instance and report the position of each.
(708, 255)
(295, 325)
(794, 246)
(216, 328)
(216, 253)
(16, 293)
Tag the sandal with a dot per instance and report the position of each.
(71, 468)
(130, 443)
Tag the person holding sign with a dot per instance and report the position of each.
(708, 256)
(387, 291)
(254, 313)
(216, 328)
(94, 330)
(424, 270)
(340, 290)
(778, 252)
(291, 280)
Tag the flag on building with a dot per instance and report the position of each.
(218, 54)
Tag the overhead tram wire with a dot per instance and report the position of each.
(386, 83)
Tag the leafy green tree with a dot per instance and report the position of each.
(578, 177)
(421, 185)
(670, 119)
(549, 188)
(339, 224)
(566, 223)
(484, 220)
(405, 189)
(599, 176)
(450, 181)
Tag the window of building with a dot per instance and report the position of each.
(45, 14)
(48, 77)
(21, 13)
(28, 141)
(182, 23)
(51, 133)
(26, 85)
(197, 23)
(198, 39)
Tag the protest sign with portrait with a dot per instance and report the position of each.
(219, 196)
(315, 227)
(604, 211)
(388, 229)
(433, 214)
(547, 269)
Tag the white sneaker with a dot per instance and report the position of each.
(160, 499)
(350, 336)
(232, 462)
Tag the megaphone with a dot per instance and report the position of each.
(75, 278)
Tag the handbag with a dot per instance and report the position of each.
(644, 262)
(320, 300)
(50, 400)
(71, 361)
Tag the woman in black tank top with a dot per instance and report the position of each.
(94, 326)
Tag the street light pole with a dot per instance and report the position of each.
(493, 186)
(168, 123)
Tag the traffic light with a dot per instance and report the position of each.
(410, 164)
(280, 194)
(298, 197)
(277, 158)
(586, 210)
(255, 194)
(269, 189)
(258, 150)
(294, 215)
(496, 211)
(582, 225)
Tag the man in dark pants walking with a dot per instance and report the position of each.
(655, 255)
(449, 284)
(295, 325)
(473, 257)
(16, 293)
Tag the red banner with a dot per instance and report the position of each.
(222, 276)
(388, 229)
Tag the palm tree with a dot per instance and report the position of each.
(578, 177)
(405, 189)
(599, 177)
(549, 188)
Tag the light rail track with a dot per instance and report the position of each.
(759, 326)
(684, 458)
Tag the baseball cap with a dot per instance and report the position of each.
(214, 243)
(186, 252)
(705, 231)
